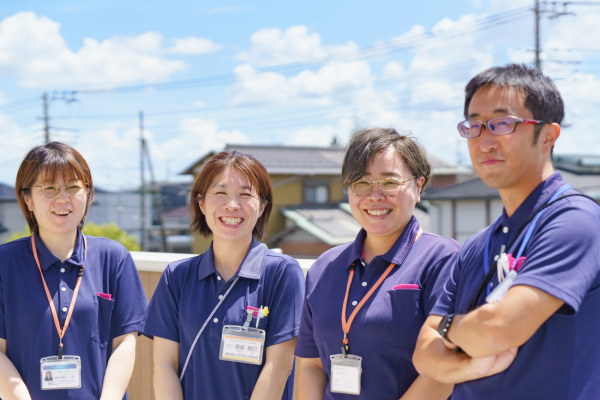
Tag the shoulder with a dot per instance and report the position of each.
(17, 245)
(327, 262)
(280, 264)
(104, 245)
(441, 245)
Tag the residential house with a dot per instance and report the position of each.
(458, 211)
(310, 211)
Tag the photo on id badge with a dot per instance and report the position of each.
(244, 343)
(60, 373)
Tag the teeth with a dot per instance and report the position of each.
(231, 220)
(378, 212)
(61, 212)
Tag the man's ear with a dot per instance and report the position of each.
(548, 136)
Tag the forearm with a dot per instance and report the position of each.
(12, 386)
(271, 382)
(311, 379)
(119, 368)
(426, 388)
(278, 366)
(166, 383)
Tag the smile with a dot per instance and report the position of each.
(62, 212)
(379, 212)
(231, 220)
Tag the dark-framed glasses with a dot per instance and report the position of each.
(52, 189)
(388, 186)
(497, 126)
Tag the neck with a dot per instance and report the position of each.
(61, 246)
(376, 246)
(513, 198)
(229, 256)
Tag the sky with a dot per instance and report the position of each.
(204, 73)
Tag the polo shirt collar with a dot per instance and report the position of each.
(250, 268)
(47, 259)
(396, 254)
(540, 196)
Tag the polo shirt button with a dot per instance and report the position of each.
(64, 309)
(364, 283)
(220, 297)
(63, 289)
(354, 302)
(505, 229)
(216, 320)
(218, 278)
(62, 270)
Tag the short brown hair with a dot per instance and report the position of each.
(366, 144)
(50, 160)
(251, 169)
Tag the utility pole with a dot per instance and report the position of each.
(538, 62)
(142, 186)
(46, 118)
(554, 13)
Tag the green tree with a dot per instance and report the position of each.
(109, 231)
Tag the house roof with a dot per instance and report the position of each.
(578, 164)
(329, 223)
(306, 160)
(7, 192)
(475, 189)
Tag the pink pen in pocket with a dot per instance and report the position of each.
(106, 296)
(406, 286)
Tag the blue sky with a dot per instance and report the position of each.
(299, 73)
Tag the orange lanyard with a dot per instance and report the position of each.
(61, 332)
(347, 323)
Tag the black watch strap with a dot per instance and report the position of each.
(444, 326)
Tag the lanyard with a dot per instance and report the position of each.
(538, 214)
(187, 360)
(61, 332)
(346, 324)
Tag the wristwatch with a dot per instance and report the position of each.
(444, 326)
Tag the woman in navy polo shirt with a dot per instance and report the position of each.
(225, 322)
(70, 304)
(366, 300)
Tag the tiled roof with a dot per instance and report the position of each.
(476, 189)
(308, 160)
(329, 223)
(7, 192)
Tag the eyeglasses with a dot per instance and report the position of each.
(51, 190)
(497, 126)
(388, 186)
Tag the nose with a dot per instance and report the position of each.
(62, 195)
(376, 192)
(232, 204)
(487, 141)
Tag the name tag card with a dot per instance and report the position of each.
(243, 345)
(345, 374)
(60, 374)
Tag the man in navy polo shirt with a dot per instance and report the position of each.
(528, 331)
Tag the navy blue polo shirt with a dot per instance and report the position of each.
(190, 289)
(562, 359)
(26, 320)
(385, 330)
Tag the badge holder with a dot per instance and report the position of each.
(242, 343)
(60, 373)
(345, 374)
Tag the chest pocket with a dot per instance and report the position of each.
(102, 320)
(400, 318)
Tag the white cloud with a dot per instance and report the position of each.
(194, 45)
(275, 47)
(33, 49)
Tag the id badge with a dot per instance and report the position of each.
(345, 374)
(60, 374)
(244, 345)
(500, 291)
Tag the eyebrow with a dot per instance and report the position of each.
(222, 185)
(386, 174)
(496, 111)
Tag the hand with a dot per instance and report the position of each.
(491, 365)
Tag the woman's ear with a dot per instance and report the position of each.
(420, 181)
(201, 203)
(28, 201)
